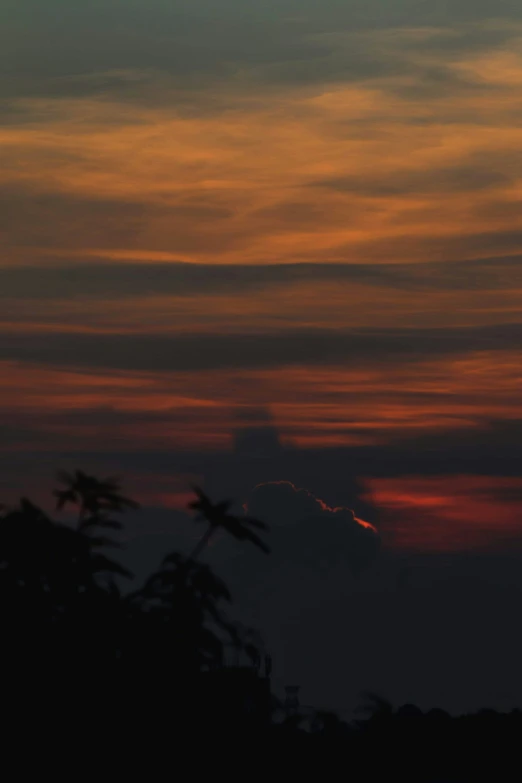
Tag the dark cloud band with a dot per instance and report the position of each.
(106, 280)
(193, 352)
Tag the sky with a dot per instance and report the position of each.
(249, 242)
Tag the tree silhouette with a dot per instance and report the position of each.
(95, 499)
(72, 640)
(185, 598)
(37, 553)
(58, 608)
(217, 516)
(378, 708)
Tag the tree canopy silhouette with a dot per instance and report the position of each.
(62, 610)
(94, 498)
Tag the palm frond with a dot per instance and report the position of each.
(217, 515)
(255, 522)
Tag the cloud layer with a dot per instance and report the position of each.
(309, 210)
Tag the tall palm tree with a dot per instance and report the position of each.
(183, 599)
(217, 516)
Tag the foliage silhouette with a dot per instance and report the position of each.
(185, 597)
(217, 516)
(71, 637)
(146, 668)
(38, 554)
(94, 498)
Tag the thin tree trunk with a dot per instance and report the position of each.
(202, 543)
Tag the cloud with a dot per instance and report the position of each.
(262, 441)
(454, 413)
(492, 447)
(161, 352)
(49, 49)
(72, 222)
(456, 179)
(202, 134)
(281, 503)
(306, 530)
(74, 279)
(449, 513)
(403, 177)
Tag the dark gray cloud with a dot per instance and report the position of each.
(160, 352)
(327, 537)
(57, 220)
(491, 448)
(105, 280)
(433, 247)
(51, 48)
(89, 423)
(261, 440)
(105, 440)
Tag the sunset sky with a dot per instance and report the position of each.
(236, 229)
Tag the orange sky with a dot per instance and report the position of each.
(406, 173)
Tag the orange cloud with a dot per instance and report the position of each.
(334, 406)
(239, 185)
(448, 513)
(377, 169)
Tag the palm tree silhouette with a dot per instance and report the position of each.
(217, 515)
(95, 498)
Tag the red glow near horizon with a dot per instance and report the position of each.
(447, 513)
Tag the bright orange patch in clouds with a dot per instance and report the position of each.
(448, 513)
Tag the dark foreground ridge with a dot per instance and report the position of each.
(89, 668)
